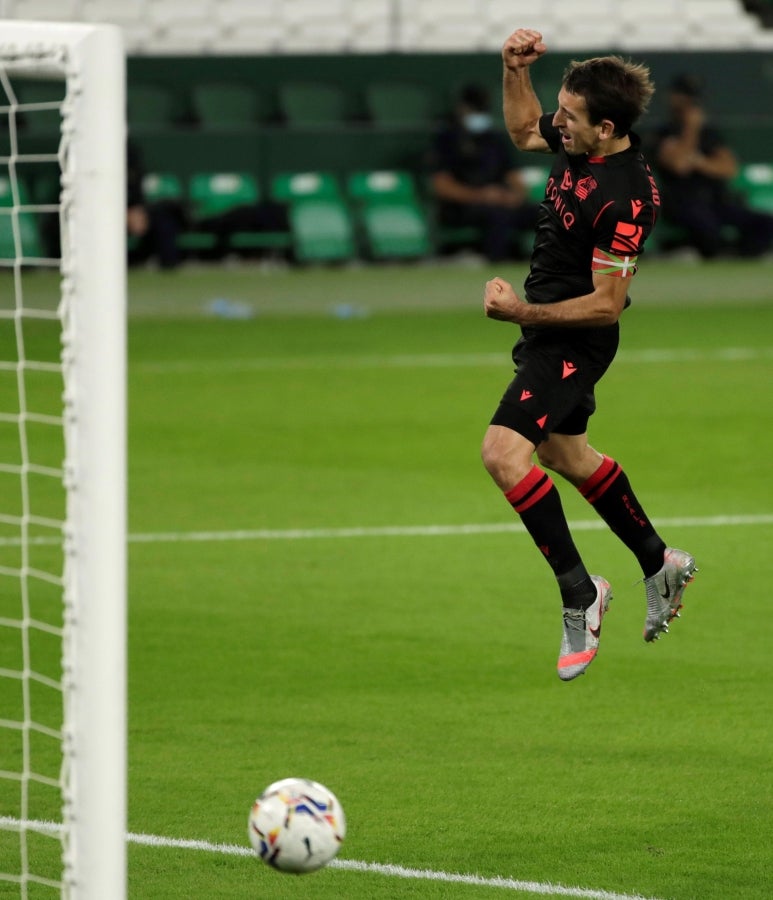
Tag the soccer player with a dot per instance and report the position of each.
(600, 205)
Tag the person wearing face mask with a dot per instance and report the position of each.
(475, 180)
(695, 170)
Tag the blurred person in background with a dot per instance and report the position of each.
(475, 180)
(153, 226)
(695, 169)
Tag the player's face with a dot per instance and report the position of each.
(571, 119)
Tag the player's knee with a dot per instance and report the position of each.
(490, 455)
(503, 457)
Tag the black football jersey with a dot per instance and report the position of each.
(595, 217)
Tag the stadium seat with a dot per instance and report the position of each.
(320, 220)
(372, 26)
(755, 182)
(444, 33)
(298, 186)
(213, 195)
(535, 178)
(716, 32)
(149, 106)
(652, 35)
(210, 194)
(635, 11)
(130, 18)
(393, 222)
(51, 10)
(247, 27)
(698, 11)
(312, 103)
(316, 27)
(227, 105)
(588, 34)
(160, 186)
(180, 26)
(396, 104)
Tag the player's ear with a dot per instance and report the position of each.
(607, 129)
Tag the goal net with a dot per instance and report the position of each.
(62, 462)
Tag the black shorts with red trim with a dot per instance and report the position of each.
(556, 372)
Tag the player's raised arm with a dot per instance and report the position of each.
(522, 108)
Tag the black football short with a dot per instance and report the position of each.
(553, 388)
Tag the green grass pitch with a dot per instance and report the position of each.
(324, 582)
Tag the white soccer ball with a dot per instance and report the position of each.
(297, 825)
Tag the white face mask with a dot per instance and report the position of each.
(477, 122)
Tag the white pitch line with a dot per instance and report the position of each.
(509, 884)
(353, 865)
(299, 534)
(439, 360)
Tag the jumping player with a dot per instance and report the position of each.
(600, 205)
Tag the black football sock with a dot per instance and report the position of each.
(609, 492)
(537, 502)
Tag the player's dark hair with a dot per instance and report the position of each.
(613, 88)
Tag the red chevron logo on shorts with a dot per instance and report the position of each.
(569, 369)
(541, 422)
(526, 395)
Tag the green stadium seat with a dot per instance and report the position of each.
(29, 236)
(394, 105)
(298, 186)
(393, 222)
(320, 221)
(382, 186)
(227, 105)
(213, 195)
(210, 194)
(312, 103)
(755, 182)
(160, 186)
(149, 106)
(535, 178)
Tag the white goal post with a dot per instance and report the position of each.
(90, 310)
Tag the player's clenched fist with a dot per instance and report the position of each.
(501, 302)
(522, 48)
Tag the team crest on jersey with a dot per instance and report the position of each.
(585, 186)
(627, 238)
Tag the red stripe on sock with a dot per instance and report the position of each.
(600, 480)
(529, 490)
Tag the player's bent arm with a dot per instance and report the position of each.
(601, 307)
(522, 111)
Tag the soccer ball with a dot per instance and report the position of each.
(297, 825)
